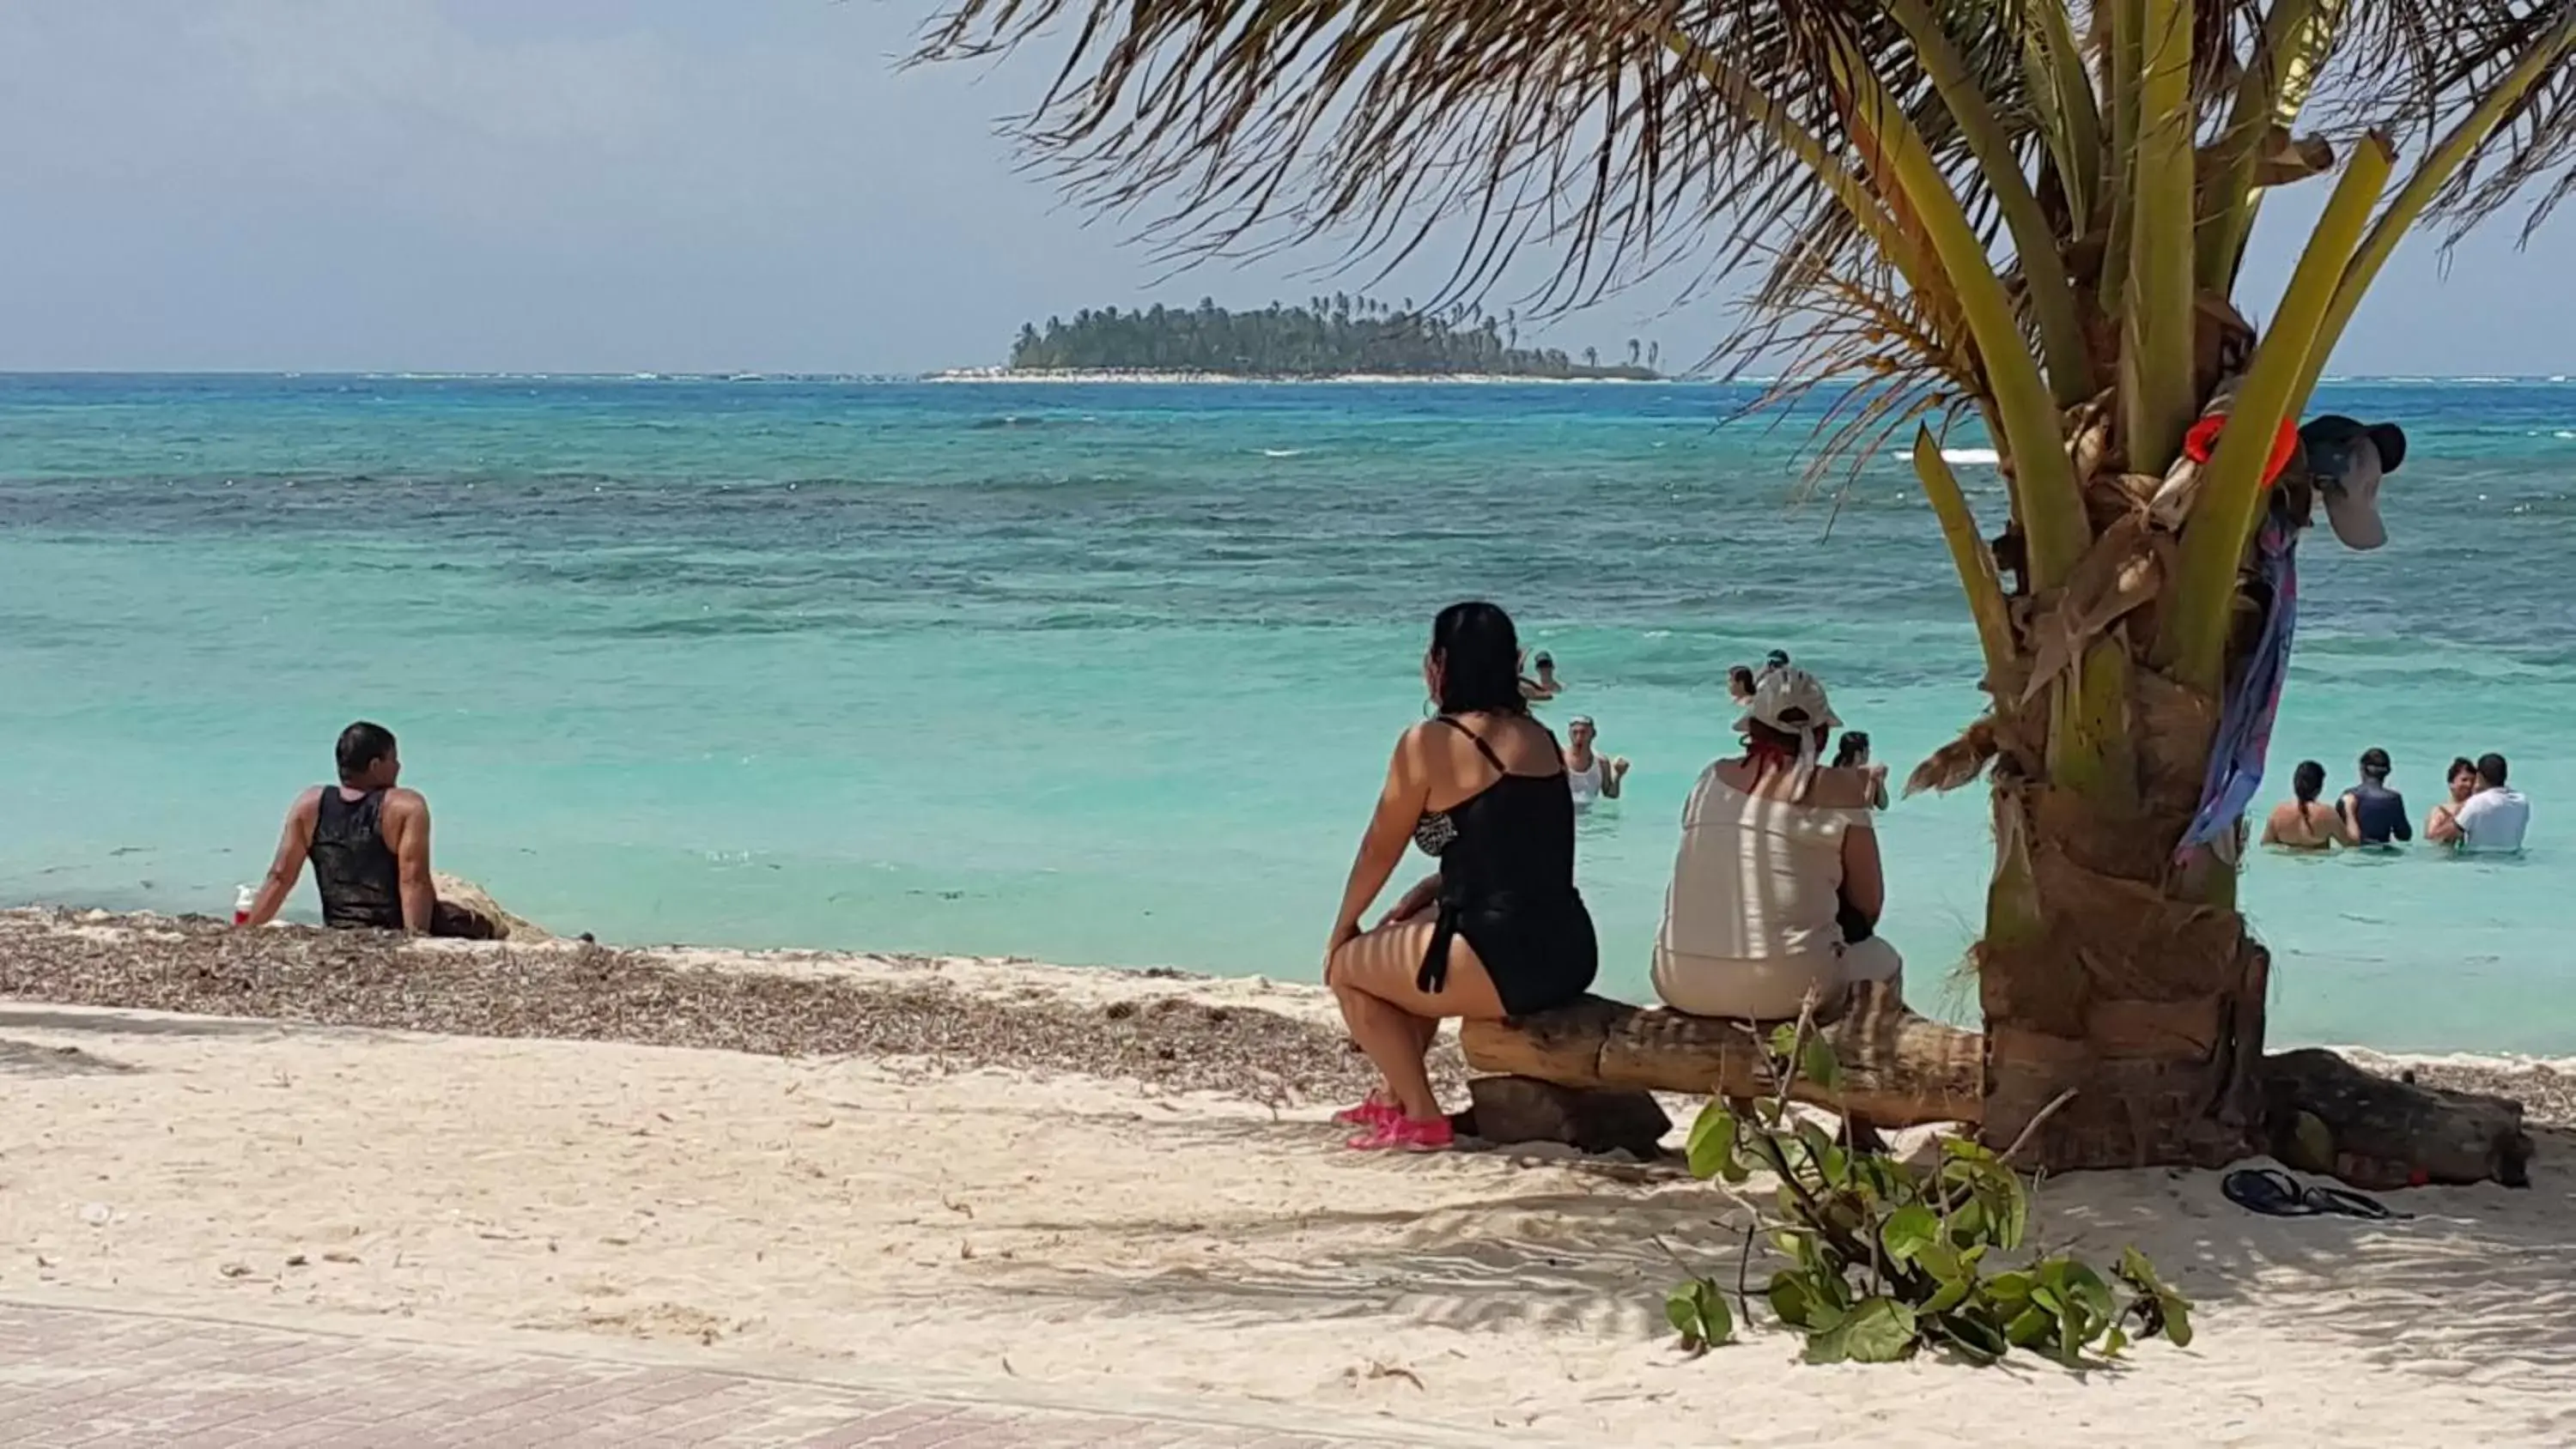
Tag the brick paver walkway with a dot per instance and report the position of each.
(70, 1377)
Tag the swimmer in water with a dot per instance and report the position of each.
(1853, 754)
(1588, 775)
(2300, 823)
(1739, 685)
(1545, 685)
(2376, 813)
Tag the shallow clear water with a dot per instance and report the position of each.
(1108, 673)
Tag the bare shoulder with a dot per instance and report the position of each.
(307, 806)
(1421, 739)
(1526, 744)
(402, 802)
(1840, 788)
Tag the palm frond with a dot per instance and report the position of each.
(1612, 134)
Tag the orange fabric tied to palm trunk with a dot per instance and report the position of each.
(2201, 443)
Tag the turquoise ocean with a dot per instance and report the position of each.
(1108, 673)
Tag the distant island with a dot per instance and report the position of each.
(1342, 335)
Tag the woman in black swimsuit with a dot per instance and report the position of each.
(1499, 931)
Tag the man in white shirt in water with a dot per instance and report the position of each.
(2490, 822)
(1591, 777)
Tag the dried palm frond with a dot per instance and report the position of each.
(1956, 763)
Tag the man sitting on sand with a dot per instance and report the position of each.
(369, 842)
(2490, 822)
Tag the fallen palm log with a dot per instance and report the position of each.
(2323, 1114)
(1894, 1068)
(2320, 1113)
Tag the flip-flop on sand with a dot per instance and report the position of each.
(2276, 1194)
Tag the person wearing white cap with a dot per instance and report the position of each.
(1590, 776)
(1777, 886)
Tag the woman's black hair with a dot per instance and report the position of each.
(2461, 766)
(1479, 654)
(2308, 781)
(1855, 743)
(1741, 674)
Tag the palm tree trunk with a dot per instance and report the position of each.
(2121, 988)
(2111, 973)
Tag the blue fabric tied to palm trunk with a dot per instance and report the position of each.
(2245, 723)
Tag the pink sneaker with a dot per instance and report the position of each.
(1377, 1111)
(1402, 1134)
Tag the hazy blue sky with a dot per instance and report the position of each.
(674, 185)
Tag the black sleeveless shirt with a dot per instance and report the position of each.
(361, 885)
(1507, 885)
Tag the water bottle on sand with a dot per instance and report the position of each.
(243, 898)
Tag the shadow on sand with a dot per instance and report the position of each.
(2477, 1276)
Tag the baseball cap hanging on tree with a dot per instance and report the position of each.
(2346, 460)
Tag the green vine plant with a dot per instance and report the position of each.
(1884, 1260)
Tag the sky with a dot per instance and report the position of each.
(700, 185)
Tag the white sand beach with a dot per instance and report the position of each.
(1108, 1240)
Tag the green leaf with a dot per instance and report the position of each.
(1818, 1064)
(1831, 1345)
(1813, 1140)
(2030, 1327)
(1888, 1179)
(1784, 1040)
(2139, 1273)
(1976, 1339)
(2177, 1318)
(1968, 1224)
(1711, 1145)
(1682, 1312)
(1939, 1259)
(2010, 1289)
(1717, 1320)
(1879, 1330)
(1909, 1232)
(1830, 1288)
(2043, 1296)
(2118, 1341)
(1791, 1303)
(2091, 1292)
(2012, 1220)
(1948, 1296)
(1698, 1310)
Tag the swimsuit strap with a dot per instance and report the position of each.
(1481, 747)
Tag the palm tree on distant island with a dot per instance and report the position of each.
(1329, 335)
(2029, 213)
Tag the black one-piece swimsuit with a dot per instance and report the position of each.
(1507, 885)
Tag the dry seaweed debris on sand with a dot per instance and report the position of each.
(369, 979)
